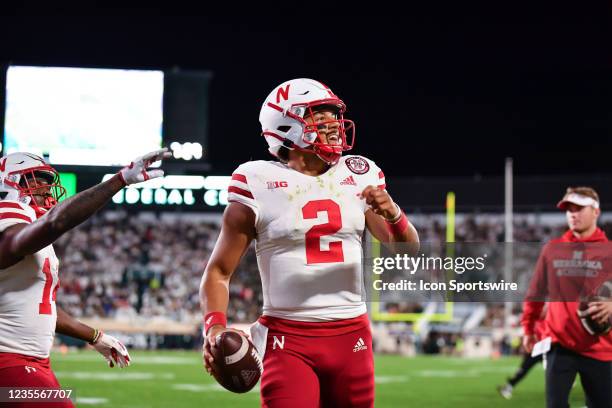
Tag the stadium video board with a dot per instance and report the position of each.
(79, 116)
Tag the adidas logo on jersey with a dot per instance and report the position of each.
(349, 181)
(360, 345)
(277, 184)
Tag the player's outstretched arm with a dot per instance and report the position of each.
(113, 351)
(386, 221)
(26, 239)
(237, 232)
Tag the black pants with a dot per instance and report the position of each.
(526, 365)
(562, 365)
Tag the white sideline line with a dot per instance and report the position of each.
(386, 379)
(474, 372)
(207, 388)
(445, 373)
(137, 359)
(198, 387)
(91, 400)
(122, 376)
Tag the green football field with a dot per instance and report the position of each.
(177, 379)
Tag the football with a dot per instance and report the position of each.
(604, 293)
(238, 366)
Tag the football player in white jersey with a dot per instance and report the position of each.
(31, 219)
(307, 213)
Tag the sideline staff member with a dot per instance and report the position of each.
(574, 350)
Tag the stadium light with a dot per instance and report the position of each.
(187, 151)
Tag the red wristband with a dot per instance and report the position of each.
(122, 179)
(213, 318)
(399, 226)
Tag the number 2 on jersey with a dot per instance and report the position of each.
(45, 306)
(314, 253)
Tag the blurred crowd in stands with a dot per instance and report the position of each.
(123, 265)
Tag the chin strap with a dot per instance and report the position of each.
(328, 157)
(40, 211)
(329, 153)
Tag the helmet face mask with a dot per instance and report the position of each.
(329, 152)
(25, 177)
(284, 120)
(49, 188)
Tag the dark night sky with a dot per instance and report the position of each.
(430, 96)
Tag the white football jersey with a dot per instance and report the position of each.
(309, 235)
(27, 293)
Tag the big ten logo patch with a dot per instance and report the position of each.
(277, 184)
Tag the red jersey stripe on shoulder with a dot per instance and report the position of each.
(240, 191)
(382, 186)
(10, 205)
(11, 215)
(239, 177)
(381, 174)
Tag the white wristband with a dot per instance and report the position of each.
(397, 217)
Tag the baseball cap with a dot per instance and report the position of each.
(582, 196)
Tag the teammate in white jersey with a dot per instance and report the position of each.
(307, 213)
(31, 219)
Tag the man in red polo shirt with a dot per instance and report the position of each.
(571, 267)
